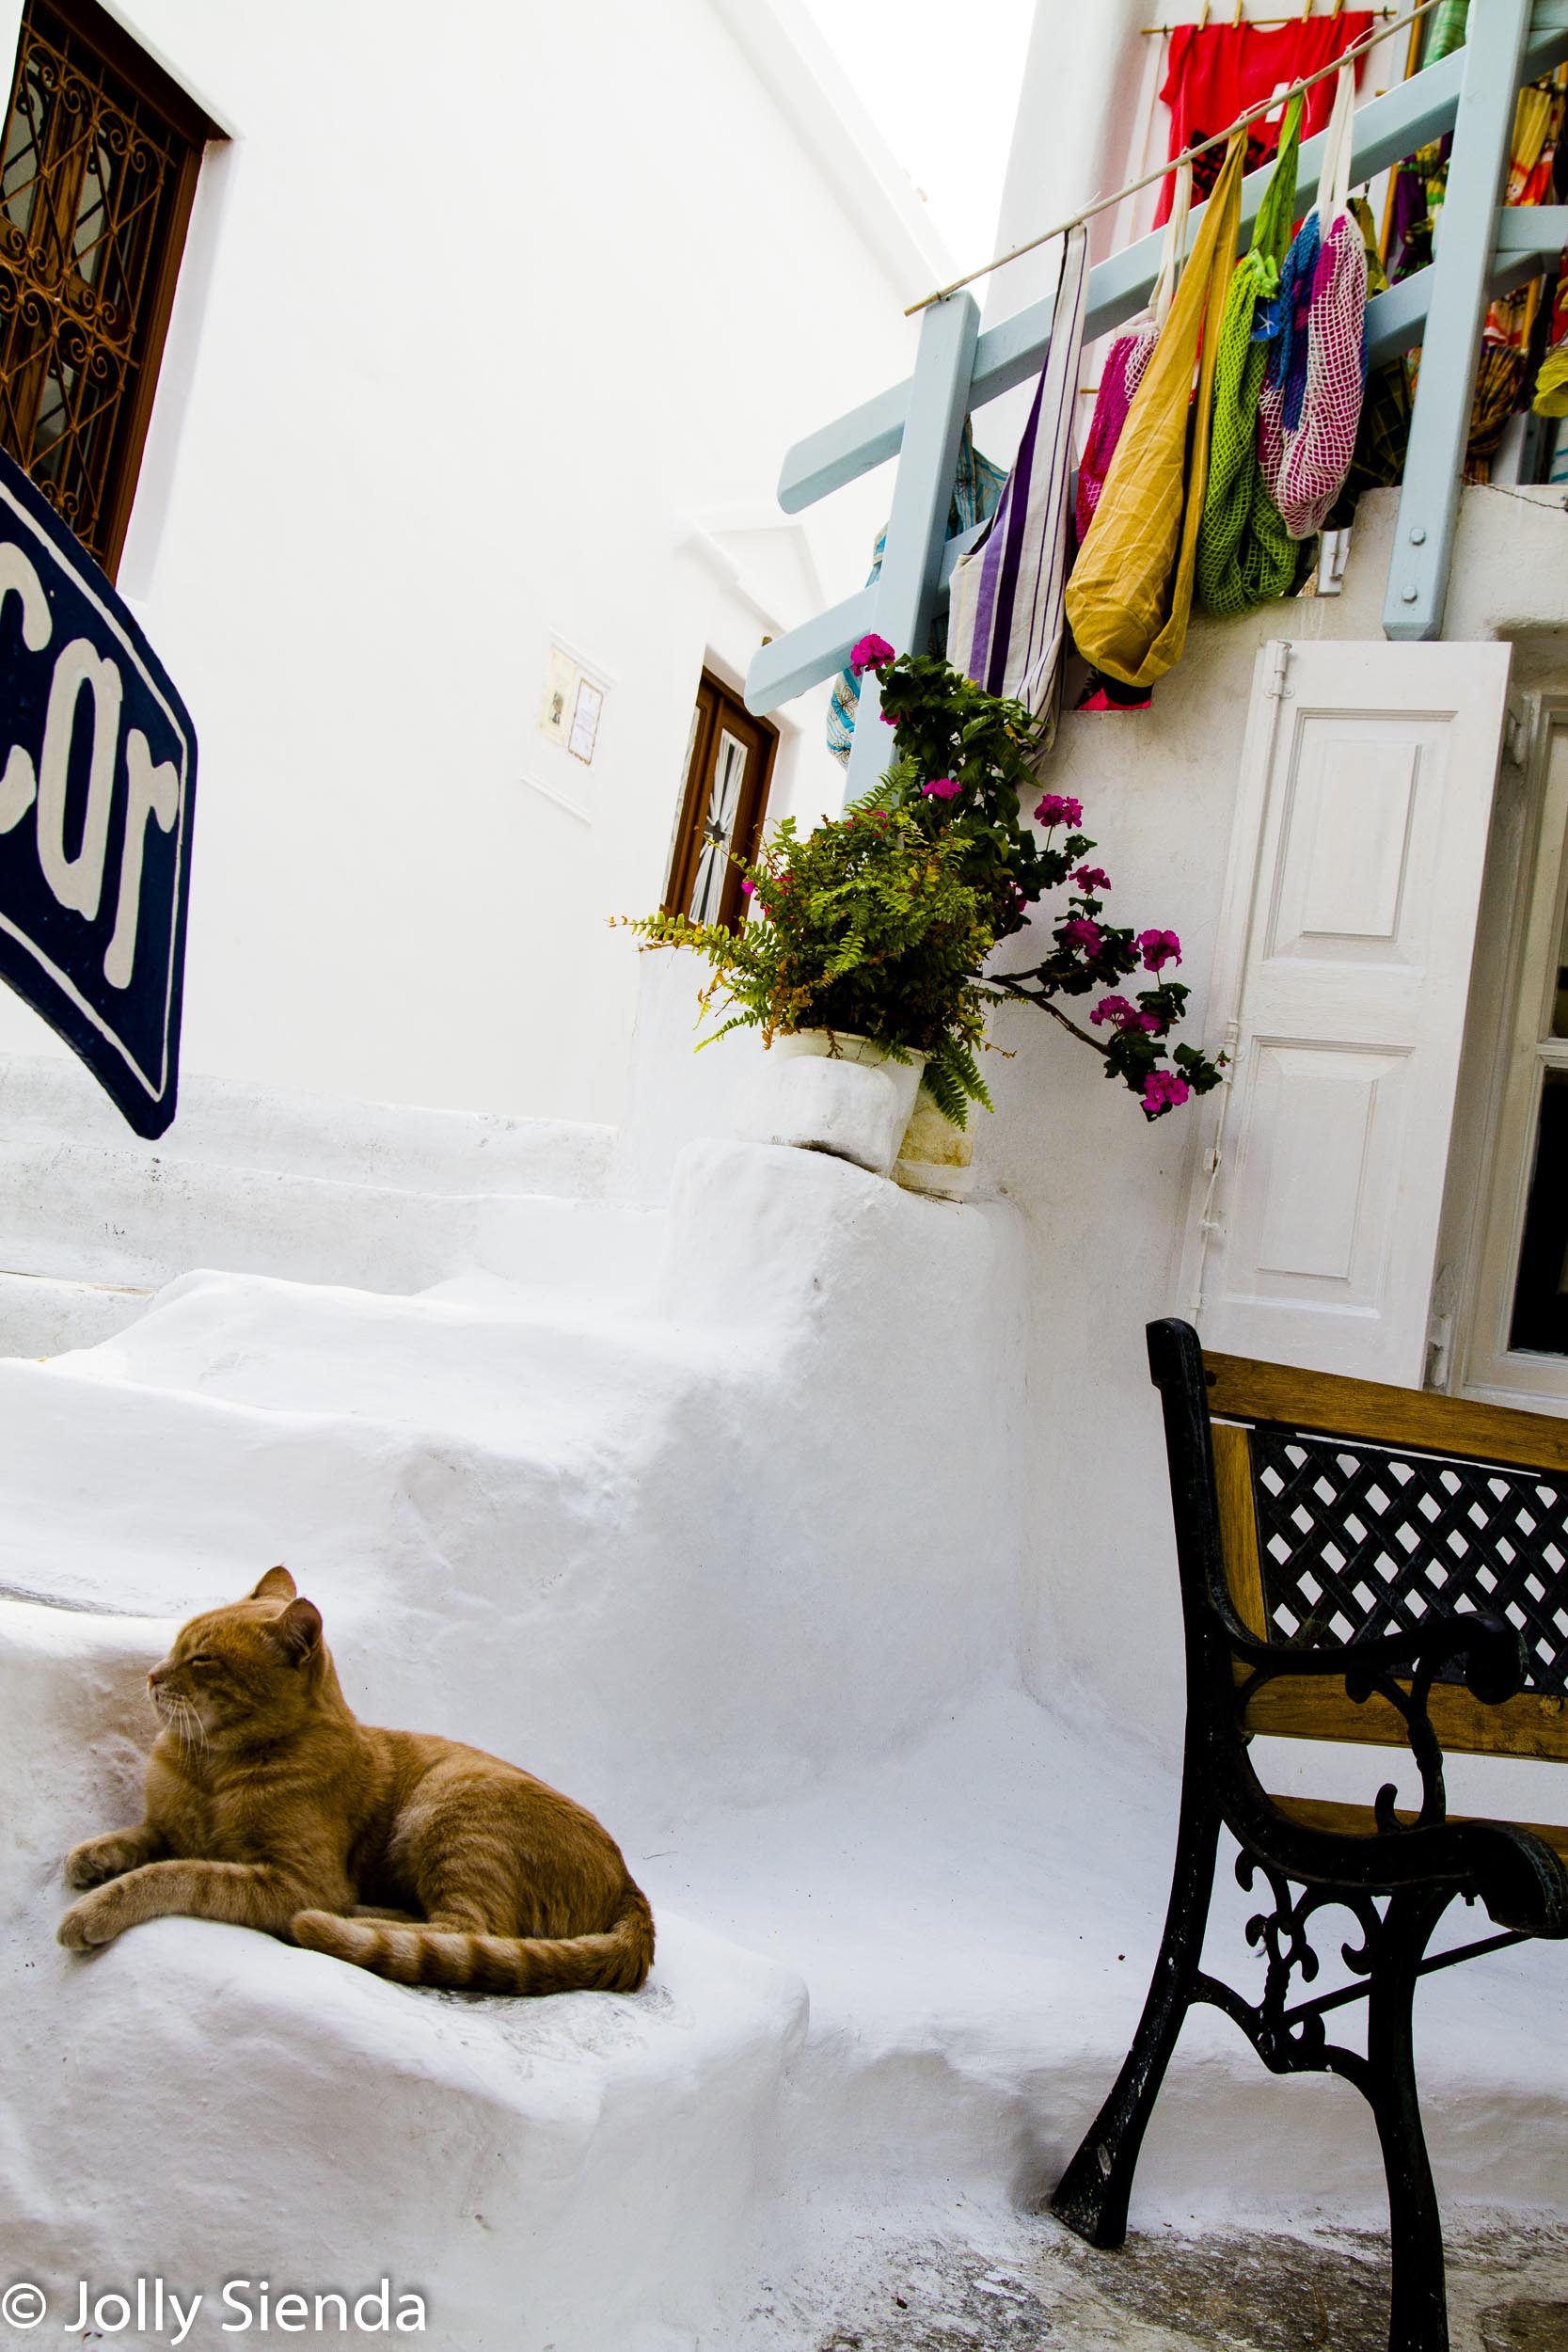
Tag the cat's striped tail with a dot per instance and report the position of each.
(617, 1960)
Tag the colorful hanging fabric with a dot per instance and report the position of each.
(1516, 330)
(977, 487)
(1310, 405)
(1383, 436)
(1005, 618)
(1537, 122)
(1551, 385)
(1420, 184)
(1125, 363)
(1215, 72)
(1130, 592)
(1245, 556)
(1445, 29)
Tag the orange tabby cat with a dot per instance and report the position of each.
(269, 1805)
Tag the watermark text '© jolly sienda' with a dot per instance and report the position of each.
(156, 2312)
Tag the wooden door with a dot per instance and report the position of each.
(728, 769)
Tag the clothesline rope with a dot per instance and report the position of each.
(1240, 23)
(1102, 204)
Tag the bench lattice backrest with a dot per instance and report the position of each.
(1349, 1510)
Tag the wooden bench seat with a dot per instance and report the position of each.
(1359, 1820)
(1358, 1564)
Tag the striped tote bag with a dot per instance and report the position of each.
(1004, 620)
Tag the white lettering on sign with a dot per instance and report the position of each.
(154, 793)
(78, 882)
(19, 785)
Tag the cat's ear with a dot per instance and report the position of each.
(278, 1584)
(298, 1631)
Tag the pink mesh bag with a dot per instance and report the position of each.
(1310, 406)
(1125, 362)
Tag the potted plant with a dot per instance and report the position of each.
(871, 937)
(864, 950)
(964, 762)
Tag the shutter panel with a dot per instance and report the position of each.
(1355, 881)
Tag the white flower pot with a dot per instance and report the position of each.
(936, 1157)
(832, 1092)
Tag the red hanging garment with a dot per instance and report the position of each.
(1216, 72)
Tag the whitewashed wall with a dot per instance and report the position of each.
(493, 320)
(1109, 1202)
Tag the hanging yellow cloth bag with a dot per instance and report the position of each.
(1132, 588)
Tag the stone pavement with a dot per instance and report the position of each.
(1508, 2292)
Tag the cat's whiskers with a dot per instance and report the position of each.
(186, 1722)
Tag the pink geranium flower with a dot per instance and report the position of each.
(1164, 1091)
(1159, 949)
(1126, 1016)
(749, 886)
(1056, 810)
(1082, 933)
(942, 789)
(1091, 878)
(869, 653)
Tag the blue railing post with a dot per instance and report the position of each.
(1450, 346)
(906, 592)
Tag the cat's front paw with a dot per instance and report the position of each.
(100, 1858)
(97, 1920)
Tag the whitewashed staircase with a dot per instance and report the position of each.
(582, 1482)
(93, 1220)
(712, 1513)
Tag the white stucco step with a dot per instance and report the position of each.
(551, 2176)
(249, 1179)
(498, 1363)
(42, 1315)
(224, 1123)
(103, 1218)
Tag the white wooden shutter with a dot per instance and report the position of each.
(1340, 995)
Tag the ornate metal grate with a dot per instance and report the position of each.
(1355, 1540)
(95, 184)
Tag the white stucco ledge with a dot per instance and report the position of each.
(567, 2174)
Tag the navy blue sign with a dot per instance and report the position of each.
(97, 795)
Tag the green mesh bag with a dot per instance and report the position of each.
(1245, 556)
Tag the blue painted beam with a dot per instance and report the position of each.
(1531, 229)
(1451, 345)
(1530, 239)
(817, 649)
(906, 591)
(1009, 354)
(820, 647)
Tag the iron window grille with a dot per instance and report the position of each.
(97, 176)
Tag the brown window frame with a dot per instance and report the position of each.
(102, 55)
(719, 710)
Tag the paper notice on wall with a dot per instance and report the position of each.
(562, 680)
(585, 720)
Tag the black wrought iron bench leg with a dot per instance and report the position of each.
(1417, 2314)
(1092, 2195)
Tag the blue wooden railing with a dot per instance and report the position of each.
(1483, 249)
